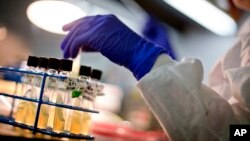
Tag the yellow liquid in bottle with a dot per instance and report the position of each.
(76, 118)
(43, 117)
(76, 122)
(59, 119)
(31, 113)
(21, 112)
(86, 122)
(51, 117)
(68, 120)
(26, 113)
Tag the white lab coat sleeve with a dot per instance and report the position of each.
(239, 77)
(230, 76)
(186, 109)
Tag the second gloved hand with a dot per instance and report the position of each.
(109, 36)
(156, 33)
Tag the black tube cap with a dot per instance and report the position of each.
(53, 63)
(43, 62)
(32, 61)
(66, 65)
(85, 71)
(96, 74)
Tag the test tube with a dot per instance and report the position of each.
(26, 110)
(75, 121)
(51, 88)
(44, 111)
(88, 99)
(42, 67)
(63, 94)
(65, 69)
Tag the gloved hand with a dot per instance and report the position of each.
(109, 36)
(156, 33)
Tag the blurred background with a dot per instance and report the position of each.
(203, 29)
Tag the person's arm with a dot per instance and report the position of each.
(186, 109)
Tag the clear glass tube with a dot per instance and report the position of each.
(85, 101)
(74, 120)
(26, 110)
(45, 109)
(61, 97)
(86, 116)
(93, 89)
(50, 92)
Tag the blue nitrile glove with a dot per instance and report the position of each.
(109, 36)
(156, 33)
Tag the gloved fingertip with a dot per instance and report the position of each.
(65, 42)
(66, 55)
(66, 27)
(74, 54)
(62, 46)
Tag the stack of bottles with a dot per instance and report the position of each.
(78, 91)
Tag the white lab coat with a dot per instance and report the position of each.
(191, 111)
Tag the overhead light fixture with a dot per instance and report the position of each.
(51, 15)
(207, 15)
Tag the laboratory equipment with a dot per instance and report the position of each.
(62, 95)
(81, 118)
(25, 112)
(51, 85)
(44, 112)
(98, 87)
(88, 99)
(45, 79)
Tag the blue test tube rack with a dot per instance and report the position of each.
(11, 121)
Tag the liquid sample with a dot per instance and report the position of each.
(43, 116)
(59, 119)
(31, 113)
(25, 113)
(76, 122)
(75, 118)
(21, 112)
(86, 122)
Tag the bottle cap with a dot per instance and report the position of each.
(53, 63)
(96, 74)
(66, 65)
(85, 71)
(43, 62)
(32, 61)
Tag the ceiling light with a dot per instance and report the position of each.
(52, 15)
(207, 15)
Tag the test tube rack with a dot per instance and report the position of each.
(11, 121)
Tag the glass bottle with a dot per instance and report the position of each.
(76, 120)
(63, 95)
(51, 88)
(26, 110)
(88, 99)
(44, 111)
(95, 82)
